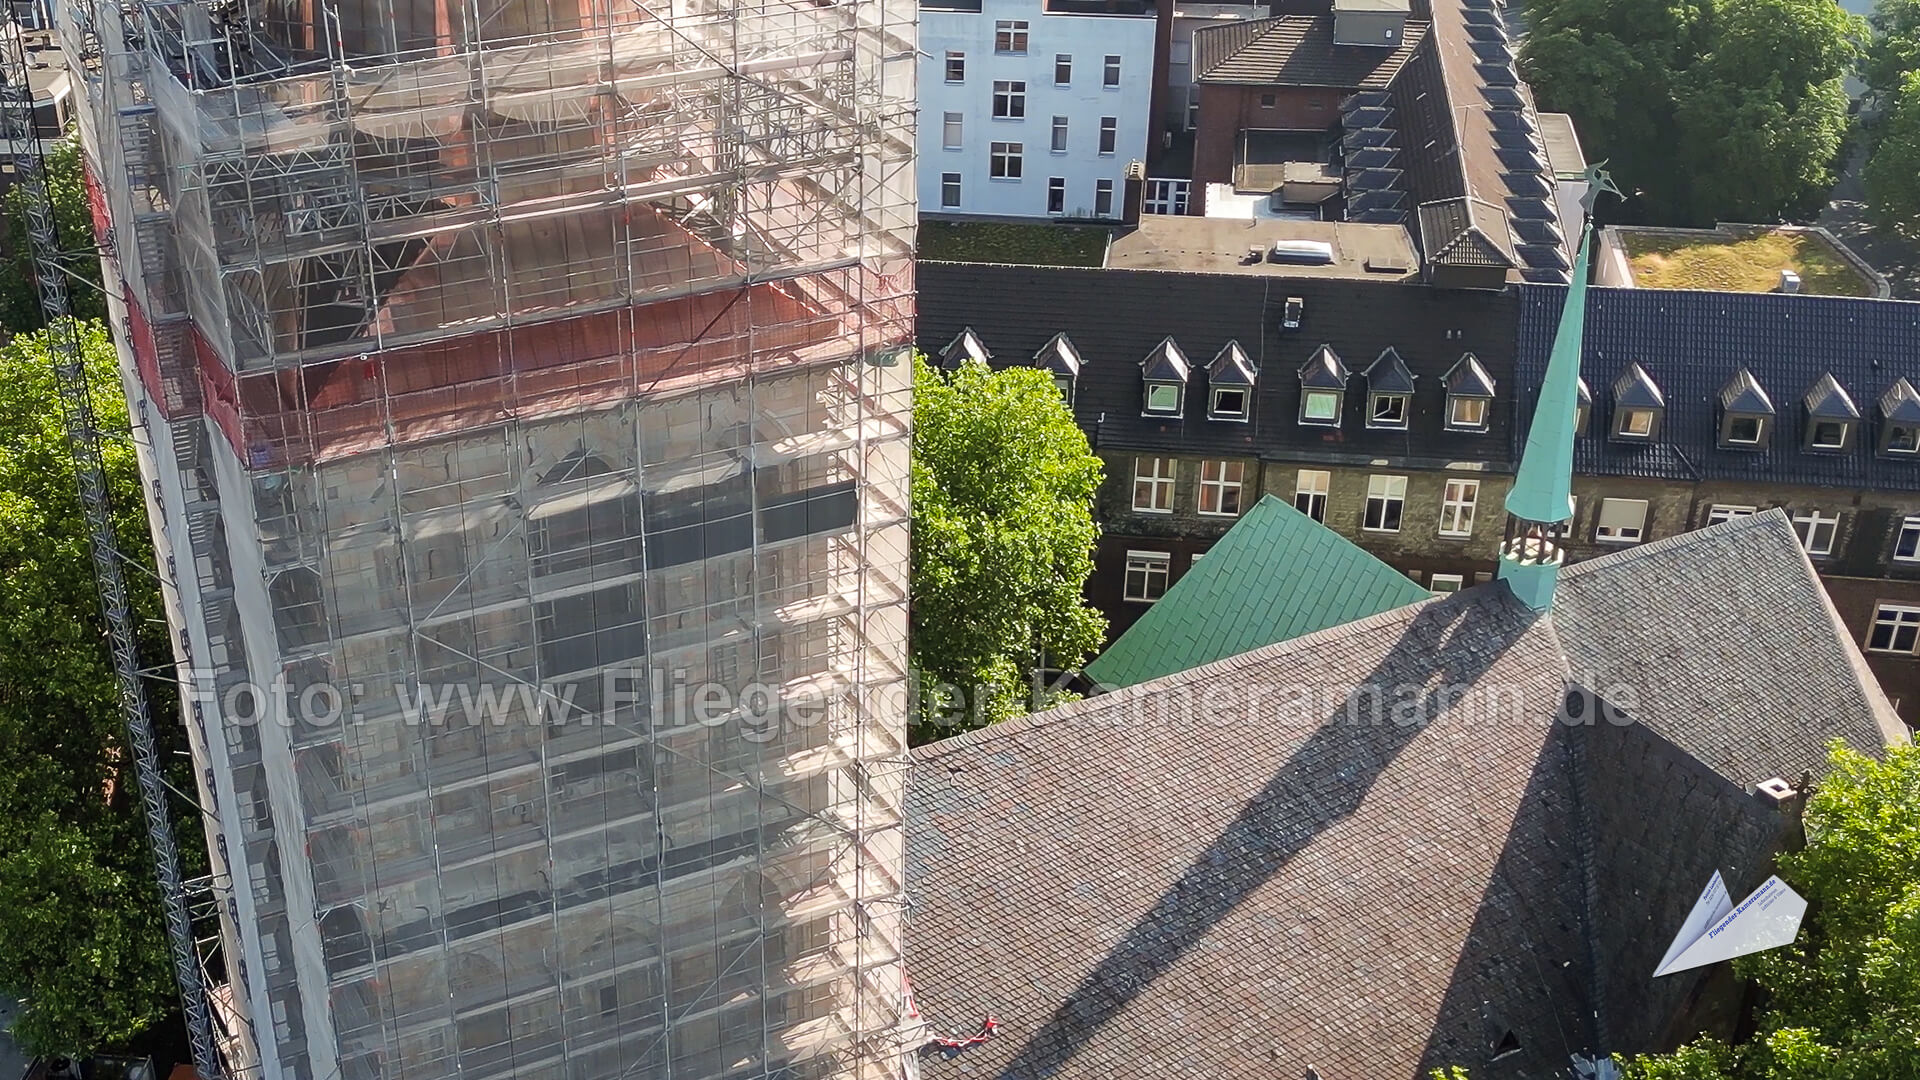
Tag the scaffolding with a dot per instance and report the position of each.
(527, 380)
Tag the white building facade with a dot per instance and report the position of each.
(1033, 108)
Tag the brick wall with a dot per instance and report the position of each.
(1226, 110)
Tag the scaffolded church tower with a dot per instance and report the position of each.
(542, 344)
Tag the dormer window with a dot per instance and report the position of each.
(1638, 406)
(1323, 389)
(963, 349)
(1900, 420)
(1060, 359)
(1831, 417)
(1165, 371)
(1230, 379)
(1746, 413)
(1583, 407)
(1389, 391)
(1469, 395)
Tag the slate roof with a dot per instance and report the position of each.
(1691, 343)
(1251, 868)
(1114, 317)
(1296, 50)
(1276, 575)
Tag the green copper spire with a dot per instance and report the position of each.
(1542, 494)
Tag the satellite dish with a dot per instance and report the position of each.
(1717, 929)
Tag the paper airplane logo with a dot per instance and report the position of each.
(1717, 929)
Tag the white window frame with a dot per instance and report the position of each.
(1110, 72)
(956, 61)
(1617, 531)
(1819, 532)
(1246, 399)
(1006, 161)
(952, 180)
(1909, 527)
(1390, 492)
(1194, 559)
(1457, 506)
(1010, 37)
(1453, 413)
(1896, 618)
(953, 131)
(1720, 513)
(1059, 143)
(1103, 198)
(1912, 439)
(1813, 435)
(1374, 401)
(1759, 430)
(1627, 425)
(1310, 488)
(1149, 565)
(1009, 99)
(1332, 419)
(1062, 61)
(1217, 490)
(1148, 407)
(1109, 135)
(1056, 194)
(1158, 485)
(1443, 584)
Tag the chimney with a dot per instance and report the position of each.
(1789, 281)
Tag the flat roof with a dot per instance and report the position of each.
(1564, 156)
(1219, 246)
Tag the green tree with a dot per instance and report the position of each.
(1003, 536)
(1892, 175)
(1895, 49)
(73, 220)
(1842, 1001)
(81, 937)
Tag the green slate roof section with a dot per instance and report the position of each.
(1277, 574)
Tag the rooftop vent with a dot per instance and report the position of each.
(1789, 281)
(1302, 252)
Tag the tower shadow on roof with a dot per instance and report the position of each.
(1450, 643)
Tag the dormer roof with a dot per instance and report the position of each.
(1165, 363)
(1635, 389)
(1744, 394)
(1230, 367)
(1324, 371)
(1900, 404)
(1468, 378)
(965, 346)
(1058, 356)
(1828, 400)
(1388, 374)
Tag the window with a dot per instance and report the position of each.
(1003, 160)
(1467, 413)
(1010, 36)
(1229, 403)
(1387, 410)
(1110, 78)
(1386, 498)
(1816, 531)
(1153, 485)
(1310, 493)
(1268, 101)
(1220, 487)
(1456, 507)
(1056, 195)
(1320, 407)
(1163, 399)
(1895, 629)
(956, 67)
(1063, 69)
(1147, 575)
(1448, 583)
(1109, 133)
(1906, 547)
(1103, 198)
(1719, 513)
(1743, 430)
(950, 130)
(1059, 134)
(1903, 439)
(1622, 521)
(1636, 423)
(1828, 435)
(1009, 100)
(949, 190)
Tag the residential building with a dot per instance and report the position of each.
(523, 414)
(1033, 108)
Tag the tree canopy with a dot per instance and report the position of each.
(1003, 536)
(1895, 50)
(81, 935)
(66, 186)
(1843, 1001)
(1892, 175)
(1707, 110)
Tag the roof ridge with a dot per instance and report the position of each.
(1775, 518)
(1019, 725)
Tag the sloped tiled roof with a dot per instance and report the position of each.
(1253, 867)
(1276, 575)
(1691, 343)
(1465, 232)
(1296, 50)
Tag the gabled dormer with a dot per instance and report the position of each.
(1061, 360)
(1389, 391)
(1746, 413)
(1832, 417)
(1469, 395)
(965, 347)
(1583, 406)
(1165, 371)
(1638, 406)
(1230, 379)
(1899, 420)
(1323, 388)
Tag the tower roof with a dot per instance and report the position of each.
(1543, 487)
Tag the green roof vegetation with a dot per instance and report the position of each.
(1732, 262)
(1026, 245)
(1276, 575)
